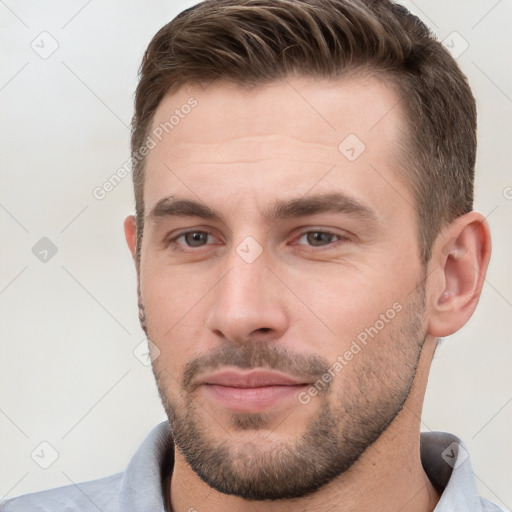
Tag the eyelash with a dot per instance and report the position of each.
(340, 238)
(173, 241)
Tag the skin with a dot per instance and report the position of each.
(238, 152)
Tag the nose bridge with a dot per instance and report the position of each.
(245, 285)
(246, 298)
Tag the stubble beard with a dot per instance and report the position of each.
(344, 426)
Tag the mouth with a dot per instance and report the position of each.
(253, 391)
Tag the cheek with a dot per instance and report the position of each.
(344, 301)
(171, 293)
(173, 308)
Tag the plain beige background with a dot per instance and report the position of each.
(69, 375)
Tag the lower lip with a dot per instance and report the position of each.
(252, 400)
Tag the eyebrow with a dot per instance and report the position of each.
(334, 202)
(169, 207)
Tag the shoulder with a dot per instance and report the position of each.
(487, 506)
(91, 496)
(139, 487)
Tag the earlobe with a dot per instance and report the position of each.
(130, 232)
(462, 257)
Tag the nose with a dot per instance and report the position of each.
(247, 303)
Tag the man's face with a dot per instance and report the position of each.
(280, 278)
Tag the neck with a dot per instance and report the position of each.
(388, 476)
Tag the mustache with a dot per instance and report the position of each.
(256, 355)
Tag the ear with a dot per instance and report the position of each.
(130, 233)
(457, 273)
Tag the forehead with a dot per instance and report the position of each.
(275, 137)
(319, 108)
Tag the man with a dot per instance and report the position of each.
(304, 235)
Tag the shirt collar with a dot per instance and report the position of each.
(447, 465)
(142, 486)
(444, 458)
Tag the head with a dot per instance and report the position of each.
(308, 213)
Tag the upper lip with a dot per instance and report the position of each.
(251, 379)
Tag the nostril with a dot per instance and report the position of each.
(264, 329)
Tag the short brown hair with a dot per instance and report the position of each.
(252, 42)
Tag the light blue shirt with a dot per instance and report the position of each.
(139, 488)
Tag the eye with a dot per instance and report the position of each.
(318, 238)
(192, 238)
